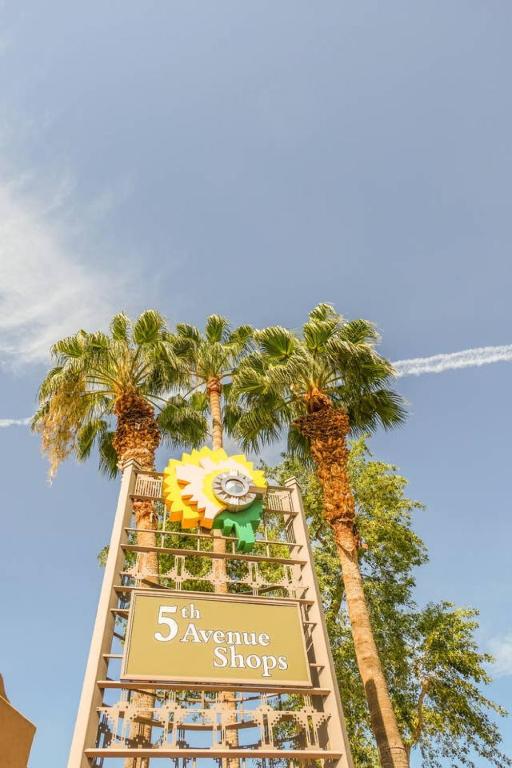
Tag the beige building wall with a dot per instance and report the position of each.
(16, 734)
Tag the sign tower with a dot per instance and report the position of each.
(220, 653)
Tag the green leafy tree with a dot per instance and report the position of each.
(433, 666)
(320, 387)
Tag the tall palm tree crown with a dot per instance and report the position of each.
(113, 390)
(211, 360)
(333, 365)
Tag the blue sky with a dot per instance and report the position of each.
(253, 159)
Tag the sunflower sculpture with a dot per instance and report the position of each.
(214, 490)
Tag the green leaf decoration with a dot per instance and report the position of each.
(242, 524)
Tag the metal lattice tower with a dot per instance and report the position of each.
(197, 725)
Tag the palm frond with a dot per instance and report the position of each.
(107, 454)
(98, 342)
(368, 410)
(189, 332)
(324, 312)
(199, 402)
(38, 417)
(251, 378)
(71, 346)
(120, 327)
(359, 331)
(317, 333)
(51, 382)
(148, 327)
(87, 435)
(276, 342)
(231, 416)
(183, 422)
(240, 339)
(255, 427)
(216, 329)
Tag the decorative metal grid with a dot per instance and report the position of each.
(268, 722)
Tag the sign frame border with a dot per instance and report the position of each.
(214, 681)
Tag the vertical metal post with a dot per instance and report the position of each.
(86, 724)
(337, 733)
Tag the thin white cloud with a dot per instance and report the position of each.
(468, 358)
(14, 422)
(46, 292)
(501, 649)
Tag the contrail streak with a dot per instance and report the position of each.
(15, 422)
(468, 358)
(416, 366)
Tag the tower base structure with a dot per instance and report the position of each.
(140, 718)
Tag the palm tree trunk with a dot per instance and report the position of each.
(327, 429)
(137, 437)
(214, 388)
(214, 391)
(385, 728)
(219, 543)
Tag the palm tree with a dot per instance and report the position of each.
(211, 360)
(320, 387)
(112, 390)
(208, 363)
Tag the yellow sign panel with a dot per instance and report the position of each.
(176, 637)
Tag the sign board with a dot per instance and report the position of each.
(179, 637)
